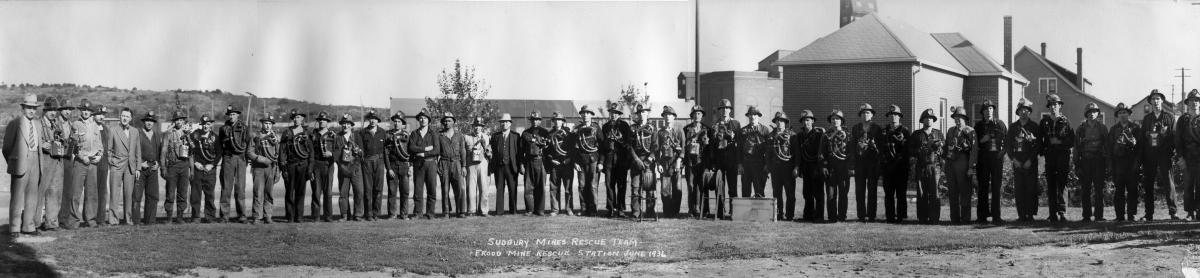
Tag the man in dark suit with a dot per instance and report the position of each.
(124, 157)
(425, 145)
(145, 189)
(504, 165)
(22, 152)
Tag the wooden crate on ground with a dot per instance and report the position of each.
(753, 209)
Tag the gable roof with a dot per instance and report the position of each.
(1062, 73)
(972, 58)
(873, 38)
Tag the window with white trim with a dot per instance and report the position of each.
(1048, 85)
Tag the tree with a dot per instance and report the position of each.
(464, 94)
(630, 98)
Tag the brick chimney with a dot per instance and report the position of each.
(1008, 42)
(1079, 68)
(1043, 50)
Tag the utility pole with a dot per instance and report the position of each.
(1182, 77)
(696, 69)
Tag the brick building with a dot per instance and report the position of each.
(1047, 77)
(762, 89)
(881, 61)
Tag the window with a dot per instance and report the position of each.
(942, 109)
(1048, 85)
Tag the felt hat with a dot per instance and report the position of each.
(30, 100)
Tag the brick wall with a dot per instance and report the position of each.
(821, 88)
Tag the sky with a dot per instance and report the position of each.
(352, 52)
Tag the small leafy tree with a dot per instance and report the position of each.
(463, 94)
(630, 98)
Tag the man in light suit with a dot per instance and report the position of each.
(124, 157)
(22, 152)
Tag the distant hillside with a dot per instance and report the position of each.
(164, 102)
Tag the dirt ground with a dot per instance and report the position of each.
(1137, 258)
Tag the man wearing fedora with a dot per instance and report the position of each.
(670, 162)
(453, 164)
(399, 168)
(296, 158)
(22, 152)
(532, 155)
(374, 169)
(725, 156)
(175, 163)
(53, 135)
(1058, 138)
(615, 154)
(781, 147)
(836, 156)
(587, 159)
(425, 145)
(752, 147)
(265, 156)
(696, 162)
(323, 142)
(206, 157)
(960, 142)
(811, 152)
(990, 133)
(478, 153)
(503, 167)
(1090, 162)
(347, 151)
(1158, 149)
(892, 145)
(864, 153)
(1023, 145)
(1187, 145)
(926, 146)
(234, 136)
(562, 170)
(145, 190)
